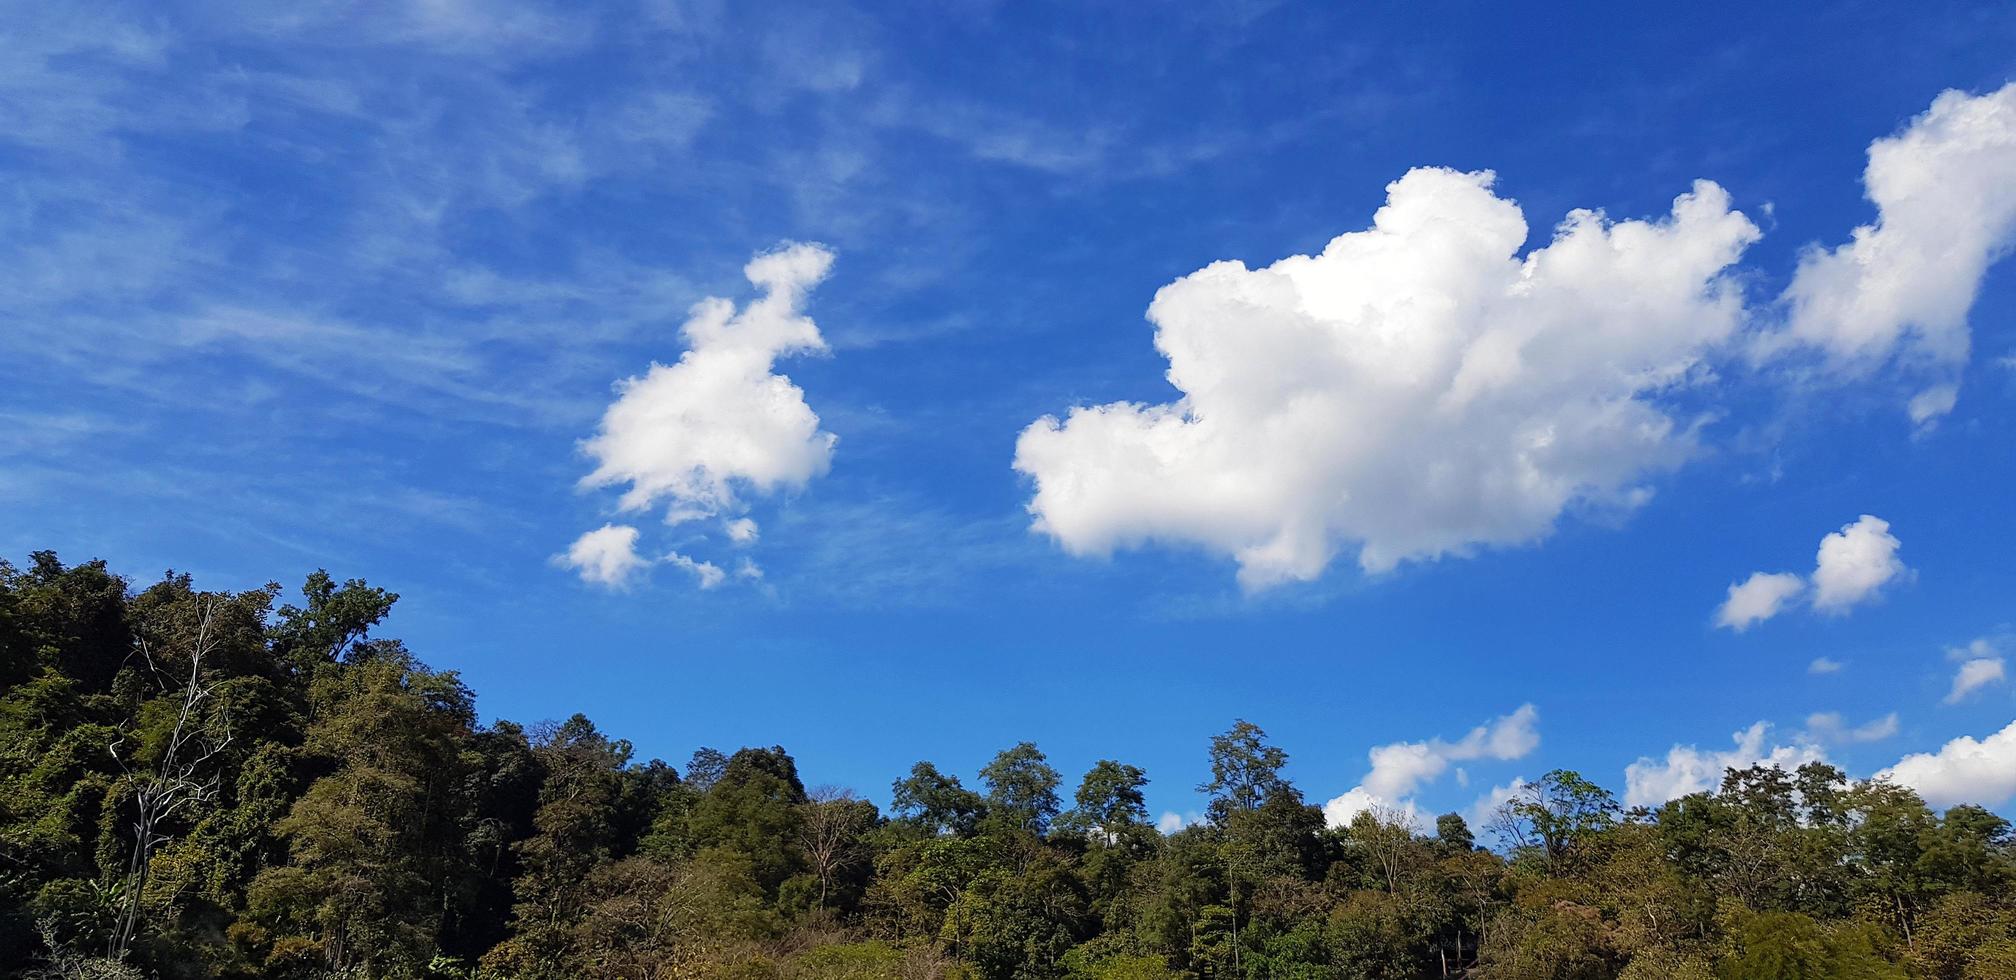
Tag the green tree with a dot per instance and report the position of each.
(574, 832)
(755, 810)
(1109, 801)
(1454, 832)
(1019, 924)
(1791, 946)
(936, 802)
(1555, 815)
(1021, 788)
(1245, 770)
(371, 843)
(331, 622)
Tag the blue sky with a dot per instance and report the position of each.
(324, 288)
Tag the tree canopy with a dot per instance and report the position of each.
(204, 785)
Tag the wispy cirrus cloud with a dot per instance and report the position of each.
(1830, 727)
(1981, 664)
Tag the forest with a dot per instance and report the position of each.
(214, 784)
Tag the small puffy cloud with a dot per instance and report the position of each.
(1486, 808)
(1417, 389)
(1690, 769)
(1509, 737)
(1171, 821)
(1927, 407)
(605, 556)
(1852, 566)
(1824, 665)
(1828, 727)
(1758, 598)
(1398, 769)
(1855, 563)
(1945, 196)
(708, 574)
(721, 425)
(741, 530)
(1975, 674)
(719, 422)
(1964, 770)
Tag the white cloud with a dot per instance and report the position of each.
(1827, 726)
(1399, 768)
(1824, 665)
(605, 556)
(1758, 598)
(1485, 809)
(1340, 811)
(1962, 771)
(608, 556)
(1419, 390)
(708, 573)
(720, 424)
(1945, 196)
(1171, 821)
(1974, 675)
(1854, 563)
(1852, 566)
(1509, 737)
(1689, 769)
(1980, 646)
(1927, 407)
(741, 530)
(1415, 390)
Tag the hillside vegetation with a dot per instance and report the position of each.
(202, 784)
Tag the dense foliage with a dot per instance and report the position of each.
(201, 784)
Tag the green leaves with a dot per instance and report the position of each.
(357, 818)
(1245, 770)
(1021, 788)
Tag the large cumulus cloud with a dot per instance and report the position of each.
(1418, 389)
(1964, 770)
(1945, 194)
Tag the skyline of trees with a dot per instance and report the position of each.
(213, 784)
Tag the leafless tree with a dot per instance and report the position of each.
(1387, 835)
(65, 963)
(175, 782)
(831, 834)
